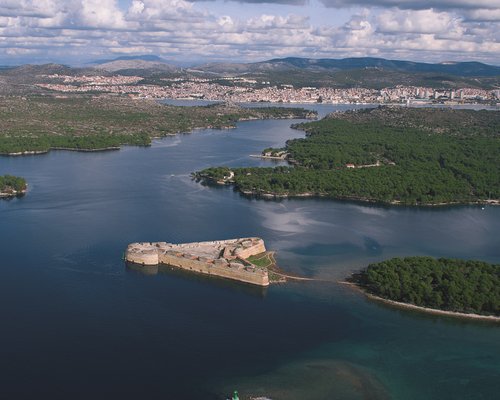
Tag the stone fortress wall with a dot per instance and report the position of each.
(224, 258)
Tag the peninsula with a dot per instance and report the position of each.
(441, 286)
(36, 124)
(244, 259)
(392, 155)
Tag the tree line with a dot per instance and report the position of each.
(446, 284)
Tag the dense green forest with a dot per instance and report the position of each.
(445, 284)
(38, 123)
(391, 155)
(11, 185)
(455, 122)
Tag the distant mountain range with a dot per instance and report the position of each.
(375, 73)
(137, 65)
(145, 57)
(154, 63)
(468, 69)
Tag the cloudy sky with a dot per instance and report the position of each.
(197, 31)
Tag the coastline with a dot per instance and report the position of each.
(276, 196)
(308, 116)
(268, 157)
(8, 195)
(397, 304)
(37, 152)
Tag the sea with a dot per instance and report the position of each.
(79, 323)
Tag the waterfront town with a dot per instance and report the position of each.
(243, 90)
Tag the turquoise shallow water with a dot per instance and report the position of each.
(79, 323)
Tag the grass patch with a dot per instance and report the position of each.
(262, 260)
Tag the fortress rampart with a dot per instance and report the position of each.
(224, 258)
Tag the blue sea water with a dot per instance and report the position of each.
(79, 323)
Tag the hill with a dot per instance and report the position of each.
(127, 67)
(140, 65)
(370, 73)
(374, 73)
(144, 57)
(468, 69)
(22, 80)
(449, 68)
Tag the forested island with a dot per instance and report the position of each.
(11, 186)
(455, 286)
(36, 124)
(394, 155)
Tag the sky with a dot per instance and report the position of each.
(194, 32)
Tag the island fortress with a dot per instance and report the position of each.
(224, 258)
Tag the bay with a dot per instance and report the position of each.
(79, 323)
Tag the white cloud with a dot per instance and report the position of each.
(100, 14)
(226, 23)
(421, 21)
(483, 14)
(162, 10)
(267, 22)
(417, 4)
(183, 29)
(136, 8)
(27, 8)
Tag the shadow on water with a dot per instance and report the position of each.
(325, 250)
(217, 282)
(10, 198)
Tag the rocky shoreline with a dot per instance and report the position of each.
(36, 152)
(427, 310)
(12, 193)
(279, 196)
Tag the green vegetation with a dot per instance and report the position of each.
(216, 174)
(398, 155)
(263, 260)
(454, 122)
(11, 185)
(38, 124)
(445, 284)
